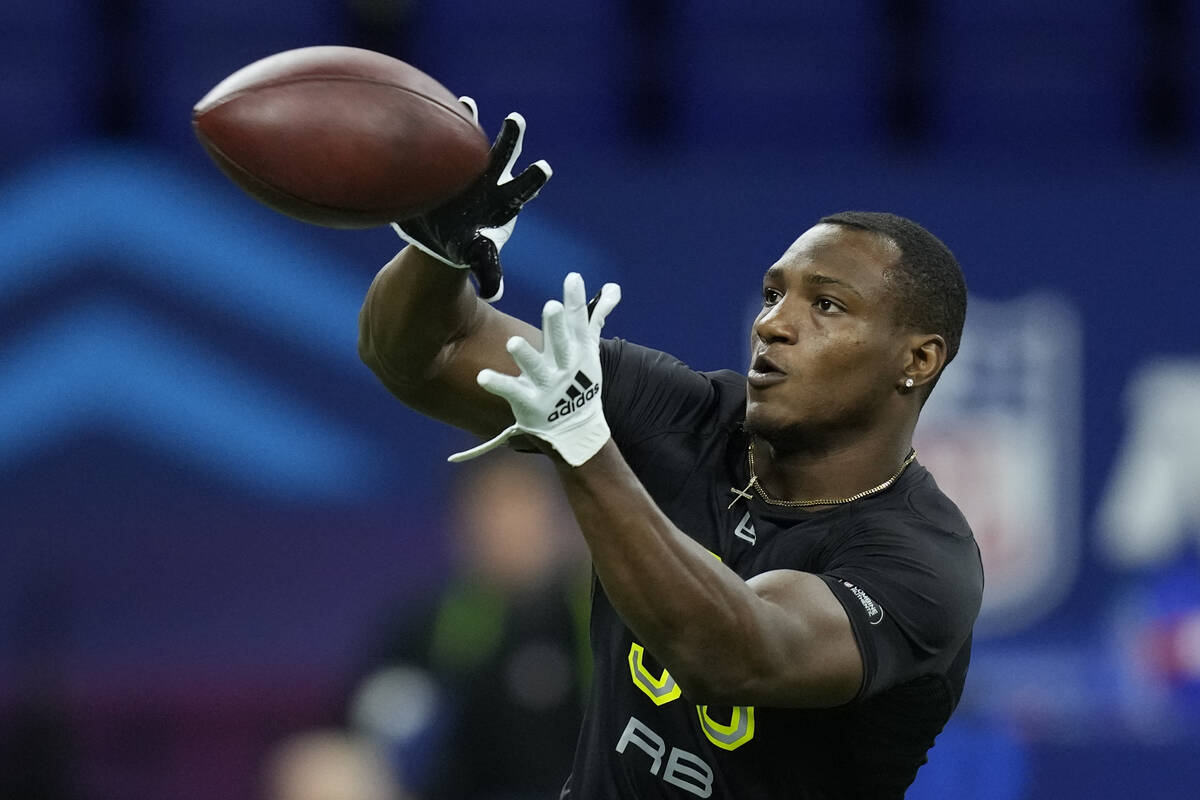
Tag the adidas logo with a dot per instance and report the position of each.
(577, 394)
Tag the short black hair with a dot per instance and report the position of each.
(931, 294)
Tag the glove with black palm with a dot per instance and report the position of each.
(468, 231)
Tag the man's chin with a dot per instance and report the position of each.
(778, 432)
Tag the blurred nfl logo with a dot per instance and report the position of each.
(1001, 436)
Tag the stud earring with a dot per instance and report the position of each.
(908, 383)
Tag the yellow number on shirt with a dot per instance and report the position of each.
(663, 689)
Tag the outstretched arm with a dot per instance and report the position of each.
(422, 329)
(779, 639)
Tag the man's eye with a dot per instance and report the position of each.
(771, 297)
(827, 305)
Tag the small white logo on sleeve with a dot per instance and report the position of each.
(873, 609)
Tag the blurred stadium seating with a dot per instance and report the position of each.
(1020, 75)
(561, 61)
(184, 49)
(173, 600)
(795, 75)
(51, 63)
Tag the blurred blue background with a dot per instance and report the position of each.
(206, 500)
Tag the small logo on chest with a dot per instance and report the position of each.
(745, 530)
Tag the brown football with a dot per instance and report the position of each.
(340, 136)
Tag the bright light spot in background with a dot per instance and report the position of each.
(1153, 497)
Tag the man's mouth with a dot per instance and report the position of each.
(764, 372)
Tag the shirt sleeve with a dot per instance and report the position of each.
(912, 593)
(662, 413)
(648, 393)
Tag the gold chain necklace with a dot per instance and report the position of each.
(745, 493)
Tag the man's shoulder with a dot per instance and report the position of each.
(931, 510)
(916, 525)
(627, 354)
(916, 505)
(650, 392)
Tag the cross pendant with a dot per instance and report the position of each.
(740, 494)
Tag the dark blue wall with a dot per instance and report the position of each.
(200, 484)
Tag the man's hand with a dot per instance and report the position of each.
(468, 231)
(556, 398)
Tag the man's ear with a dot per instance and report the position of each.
(924, 358)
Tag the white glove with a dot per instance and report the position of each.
(557, 395)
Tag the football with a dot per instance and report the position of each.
(340, 136)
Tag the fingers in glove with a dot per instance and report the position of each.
(575, 302)
(529, 360)
(506, 150)
(509, 387)
(484, 260)
(574, 293)
(472, 106)
(592, 303)
(523, 188)
(555, 333)
(602, 304)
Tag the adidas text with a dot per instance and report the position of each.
(577, 395)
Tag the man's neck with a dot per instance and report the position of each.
(831, 471)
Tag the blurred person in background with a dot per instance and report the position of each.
(479, 694)
(768, 551)
(329, 765)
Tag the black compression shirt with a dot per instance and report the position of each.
(903, 563)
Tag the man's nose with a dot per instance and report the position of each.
(774, 325)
